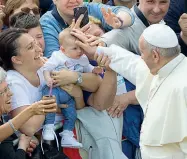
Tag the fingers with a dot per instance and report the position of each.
(78, 22)
(72, 24)
(79, 36)
(184, 16)
(48, 101)
(63, 106)
(85, 28)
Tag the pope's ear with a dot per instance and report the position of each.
(156, 56)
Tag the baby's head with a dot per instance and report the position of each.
(68, 46)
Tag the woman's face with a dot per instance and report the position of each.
(5, 98)
(29, 53)
(38, 35)
(28, 7)
(66, 6)
(95, 30)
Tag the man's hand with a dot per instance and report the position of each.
(120, 104)
(111, 19)
(183, 26)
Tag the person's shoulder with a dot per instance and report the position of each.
(14, 77)
(48, 19)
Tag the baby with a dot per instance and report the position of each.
(70, 57)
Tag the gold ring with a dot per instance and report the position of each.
(101, 65)
(118, 108)
(43, 111)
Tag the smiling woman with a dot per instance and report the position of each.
(21, 58)
(6, 130)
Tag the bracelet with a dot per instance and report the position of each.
(13, 128)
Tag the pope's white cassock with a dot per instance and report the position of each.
(163, 98)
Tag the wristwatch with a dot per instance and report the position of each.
(79, 79)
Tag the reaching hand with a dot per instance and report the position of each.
(183, 24)
(111, 19)
(44, 106)
(120, 104)
(103, 61)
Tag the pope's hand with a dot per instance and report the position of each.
(102, 60)
(111, 18)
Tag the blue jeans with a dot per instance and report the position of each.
(69, 113)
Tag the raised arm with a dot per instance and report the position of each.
(25, 115)
(94, 9)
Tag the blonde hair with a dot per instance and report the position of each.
(94, 20)
(65, 37)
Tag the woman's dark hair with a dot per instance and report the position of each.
(9, 46)
(24, 20)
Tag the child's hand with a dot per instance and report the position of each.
(98, 70)
(111, 19)
(50, 82)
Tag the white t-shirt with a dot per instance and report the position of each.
(24, 93)
(59, 60)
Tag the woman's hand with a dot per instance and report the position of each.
(111, 18)
(120, 104)
(64, 77)
(44, 106)
(24, 142)
(32, 145)
(76, 25)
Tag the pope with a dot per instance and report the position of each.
(161, 89)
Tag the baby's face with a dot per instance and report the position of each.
(72, 50)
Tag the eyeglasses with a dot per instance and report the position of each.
(27, 10)
(6, 90)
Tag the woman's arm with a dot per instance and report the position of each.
(94, 9)
(32, 125)
(90, 82)
(18, 121)
(103, 98)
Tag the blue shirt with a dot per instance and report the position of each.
(52, 27)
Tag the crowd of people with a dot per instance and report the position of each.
(116, 84)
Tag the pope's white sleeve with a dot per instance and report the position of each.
(183, 146)
(123, 61)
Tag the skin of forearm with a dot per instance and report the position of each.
(17, 121)
(104, 97)
(132, 98)
(91, 82)
(79, 102)
(32, 125)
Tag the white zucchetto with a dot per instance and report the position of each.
(160, 35)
